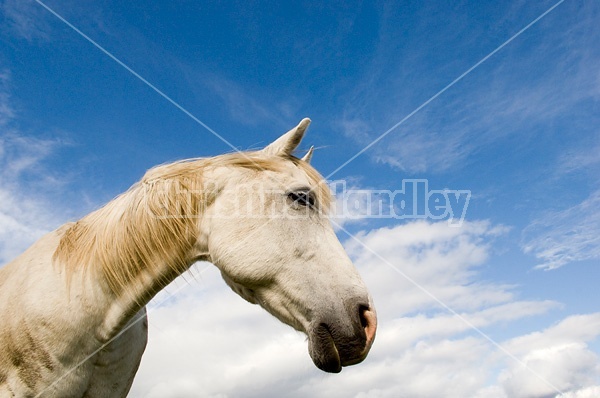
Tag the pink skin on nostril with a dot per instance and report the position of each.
(371, 326)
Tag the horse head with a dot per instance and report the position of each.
(267, 230)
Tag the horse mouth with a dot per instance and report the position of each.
(331, 350)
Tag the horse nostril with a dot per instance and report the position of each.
(361, 314)
(368, 320)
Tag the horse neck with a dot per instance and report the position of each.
(137, 244)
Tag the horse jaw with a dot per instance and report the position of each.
(330, 346)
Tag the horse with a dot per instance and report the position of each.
(72, 306)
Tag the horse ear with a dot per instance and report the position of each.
(308, 155)
(285, 145)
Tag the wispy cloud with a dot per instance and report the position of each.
(251, 107)
(565, 236)
(24, 214)
(6, 111)
(23, 219)
(536, 83)
(25, 19)
(583, 158)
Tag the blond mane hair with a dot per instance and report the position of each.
(137, 230)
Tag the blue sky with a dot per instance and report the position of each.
(520, 132)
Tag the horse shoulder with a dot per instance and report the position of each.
(46, 330)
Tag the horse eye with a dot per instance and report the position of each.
(302, 198)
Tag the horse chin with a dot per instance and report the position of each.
(323, 351)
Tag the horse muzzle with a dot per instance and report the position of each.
(332, 346)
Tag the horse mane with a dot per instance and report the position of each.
(154, 222)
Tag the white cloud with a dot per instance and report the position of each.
(409, 259)
(206, 341)
(566, 236)
(560, 357)
(355, 204)
(559, 368)
(587, 392)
